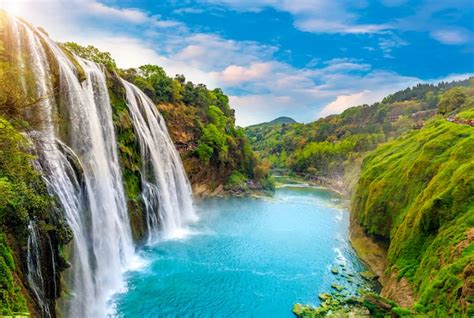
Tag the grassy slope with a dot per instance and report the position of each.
(418, 193)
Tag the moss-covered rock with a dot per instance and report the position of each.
(129, 154)
(324, 296)
(337, 287)
(417, 194)
(368, 275)
(11, 299)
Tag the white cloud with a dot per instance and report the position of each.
(234, 74)
(345, 64)
(439, 20)
(389, 42)
(130, 15)
(450, 36)
(211, 52)
(321, 25)
(344, 102)
(189, 10)
(322, 16)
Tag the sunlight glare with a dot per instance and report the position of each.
(15, 7)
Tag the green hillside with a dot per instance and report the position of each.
(333, 147)
(277, 121)
(416, 194)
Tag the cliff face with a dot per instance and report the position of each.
(415, 197)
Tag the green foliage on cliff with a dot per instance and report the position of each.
(426, 92)
(22, 197)
(92, 53)
(11, 299)
(417, 193)
(129, 153)
(203, 123)
(454, 100)
(331, 146)
(22, 192)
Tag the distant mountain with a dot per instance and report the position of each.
(277, 121)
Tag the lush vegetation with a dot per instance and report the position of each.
(417, 193)
(333, 147)
(200, 121)
(11, 299)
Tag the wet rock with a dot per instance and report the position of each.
(368, 275)
(298, 309)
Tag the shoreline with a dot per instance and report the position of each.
(374, 256)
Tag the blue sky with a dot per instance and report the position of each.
(303, 59)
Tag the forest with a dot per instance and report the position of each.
(330, 150)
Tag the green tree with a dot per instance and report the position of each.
(92, 53)
(451, 101)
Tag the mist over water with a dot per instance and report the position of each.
(248, 258)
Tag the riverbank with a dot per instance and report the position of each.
(374, 255)
(251, 189)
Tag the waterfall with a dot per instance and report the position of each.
(82, 171)
(166, 190)
(35, 276)
(77, 153)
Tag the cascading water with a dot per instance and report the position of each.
(94, 201)
(77, 153)
(166, 190)
(35, 276)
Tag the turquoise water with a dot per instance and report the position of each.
(248, 258)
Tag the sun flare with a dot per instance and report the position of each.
(15, 7)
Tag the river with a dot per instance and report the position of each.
(246, 257)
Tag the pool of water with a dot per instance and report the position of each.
(248, 257)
